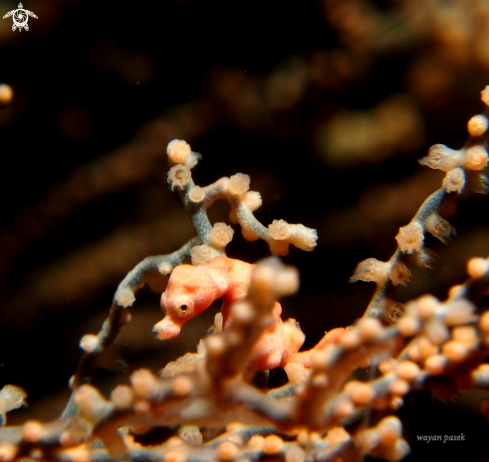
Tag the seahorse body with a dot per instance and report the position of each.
(192, 289)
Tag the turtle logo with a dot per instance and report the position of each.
(20, 17)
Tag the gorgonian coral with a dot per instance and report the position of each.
(217, 403)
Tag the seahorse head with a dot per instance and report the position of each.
(189, 292)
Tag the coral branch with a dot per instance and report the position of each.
(462, 167)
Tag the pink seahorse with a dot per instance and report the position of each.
(192, 289)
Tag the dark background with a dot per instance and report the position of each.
(327, 105)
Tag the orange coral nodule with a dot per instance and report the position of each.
(6, 95)
(178, 151)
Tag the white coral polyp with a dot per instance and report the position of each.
(178, 151)
(279, 230)
(253, 200)
(454, 180)
(179, 176)
(400, 274)
(441, 157)
(196, 194)
(299, 235)
(221, 235)
(11, 397)
(239, 184)
(410, 237)
(202, 254)
(303, 238)
(371, 270)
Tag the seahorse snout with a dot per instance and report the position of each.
(166, 329)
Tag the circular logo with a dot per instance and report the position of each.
(20, 18)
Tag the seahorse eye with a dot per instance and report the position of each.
(183, 307)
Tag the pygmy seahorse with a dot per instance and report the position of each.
(192, 289)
